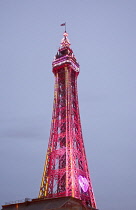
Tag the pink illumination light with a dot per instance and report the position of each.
(83, 183)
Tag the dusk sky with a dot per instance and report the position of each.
(103, 37)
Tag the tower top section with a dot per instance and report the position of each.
(65, 56)
(65, 41)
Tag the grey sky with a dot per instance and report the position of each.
(103, 38)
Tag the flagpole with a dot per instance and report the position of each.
(65, 26)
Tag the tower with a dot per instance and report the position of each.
(66, 171)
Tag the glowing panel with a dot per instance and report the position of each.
(83, 183)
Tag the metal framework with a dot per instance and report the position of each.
(66, 170)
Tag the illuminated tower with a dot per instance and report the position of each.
(66, 171)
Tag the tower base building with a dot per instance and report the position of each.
(63, 203)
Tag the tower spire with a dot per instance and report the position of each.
(65, 41)
(66, 170)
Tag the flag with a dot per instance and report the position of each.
(63, 24)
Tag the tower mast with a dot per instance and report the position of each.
(66, 171)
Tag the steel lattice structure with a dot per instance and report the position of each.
(66, 170)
